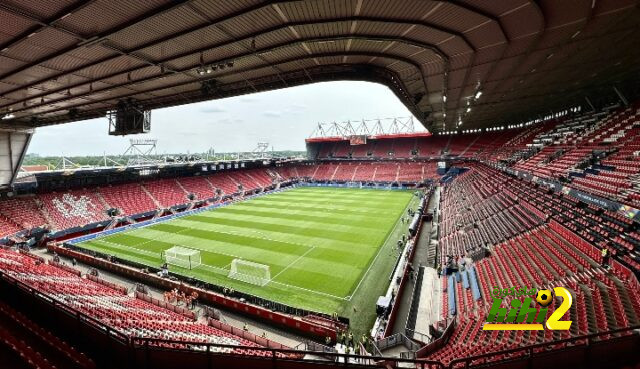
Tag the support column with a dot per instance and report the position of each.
(13, 148)
(621, 96)
(593, 108)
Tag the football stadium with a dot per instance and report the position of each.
(498, 226)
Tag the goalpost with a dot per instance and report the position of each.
(183, 257)
(250, 272)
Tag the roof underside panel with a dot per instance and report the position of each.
(65, 60)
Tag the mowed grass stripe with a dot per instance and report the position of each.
(345, 192)
(374, 204)
(318, 241)
(256, 250)
(351, 226)
(264, 241)
(320, 232)
(327, 208)
(327, 205)
(209, 257)
(338, 246)
(308, 216)
(279, 263)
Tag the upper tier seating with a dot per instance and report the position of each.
(476, 211)
(403, 147)
(433, 146)
(601, 228)
(460, 144)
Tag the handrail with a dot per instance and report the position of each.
(439, 342)
(530, 348)
(286, 354)
(423, 338)
(410, 323)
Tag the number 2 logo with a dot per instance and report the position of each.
(554, 322)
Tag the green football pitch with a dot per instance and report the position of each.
(328, 249)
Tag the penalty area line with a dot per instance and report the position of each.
(293, 262)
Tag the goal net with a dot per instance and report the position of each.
(250, 272)
(183, 257)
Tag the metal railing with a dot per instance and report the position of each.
(412, 317)
(145, 347)
(541, 348)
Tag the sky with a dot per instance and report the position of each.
(283, 118)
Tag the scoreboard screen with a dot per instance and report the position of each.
(358, 140)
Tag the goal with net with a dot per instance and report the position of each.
(250, 272)
(183, 257)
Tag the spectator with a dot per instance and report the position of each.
(194, 298)
(605, 257)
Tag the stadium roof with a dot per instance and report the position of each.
(66, 60)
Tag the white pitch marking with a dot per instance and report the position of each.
(293, 262)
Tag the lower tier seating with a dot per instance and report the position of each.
(73, 208)
(540, 258)
(126, 314)
(36, 345)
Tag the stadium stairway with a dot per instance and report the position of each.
(45, 213)
(407, 299)
(165, 192)
(199, 186)
(428, 306)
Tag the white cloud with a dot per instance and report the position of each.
(272, 114)
(284, 118)
(213, 109)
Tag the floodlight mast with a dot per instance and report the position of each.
(261, 151)
(365, 127)
(142, 152)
